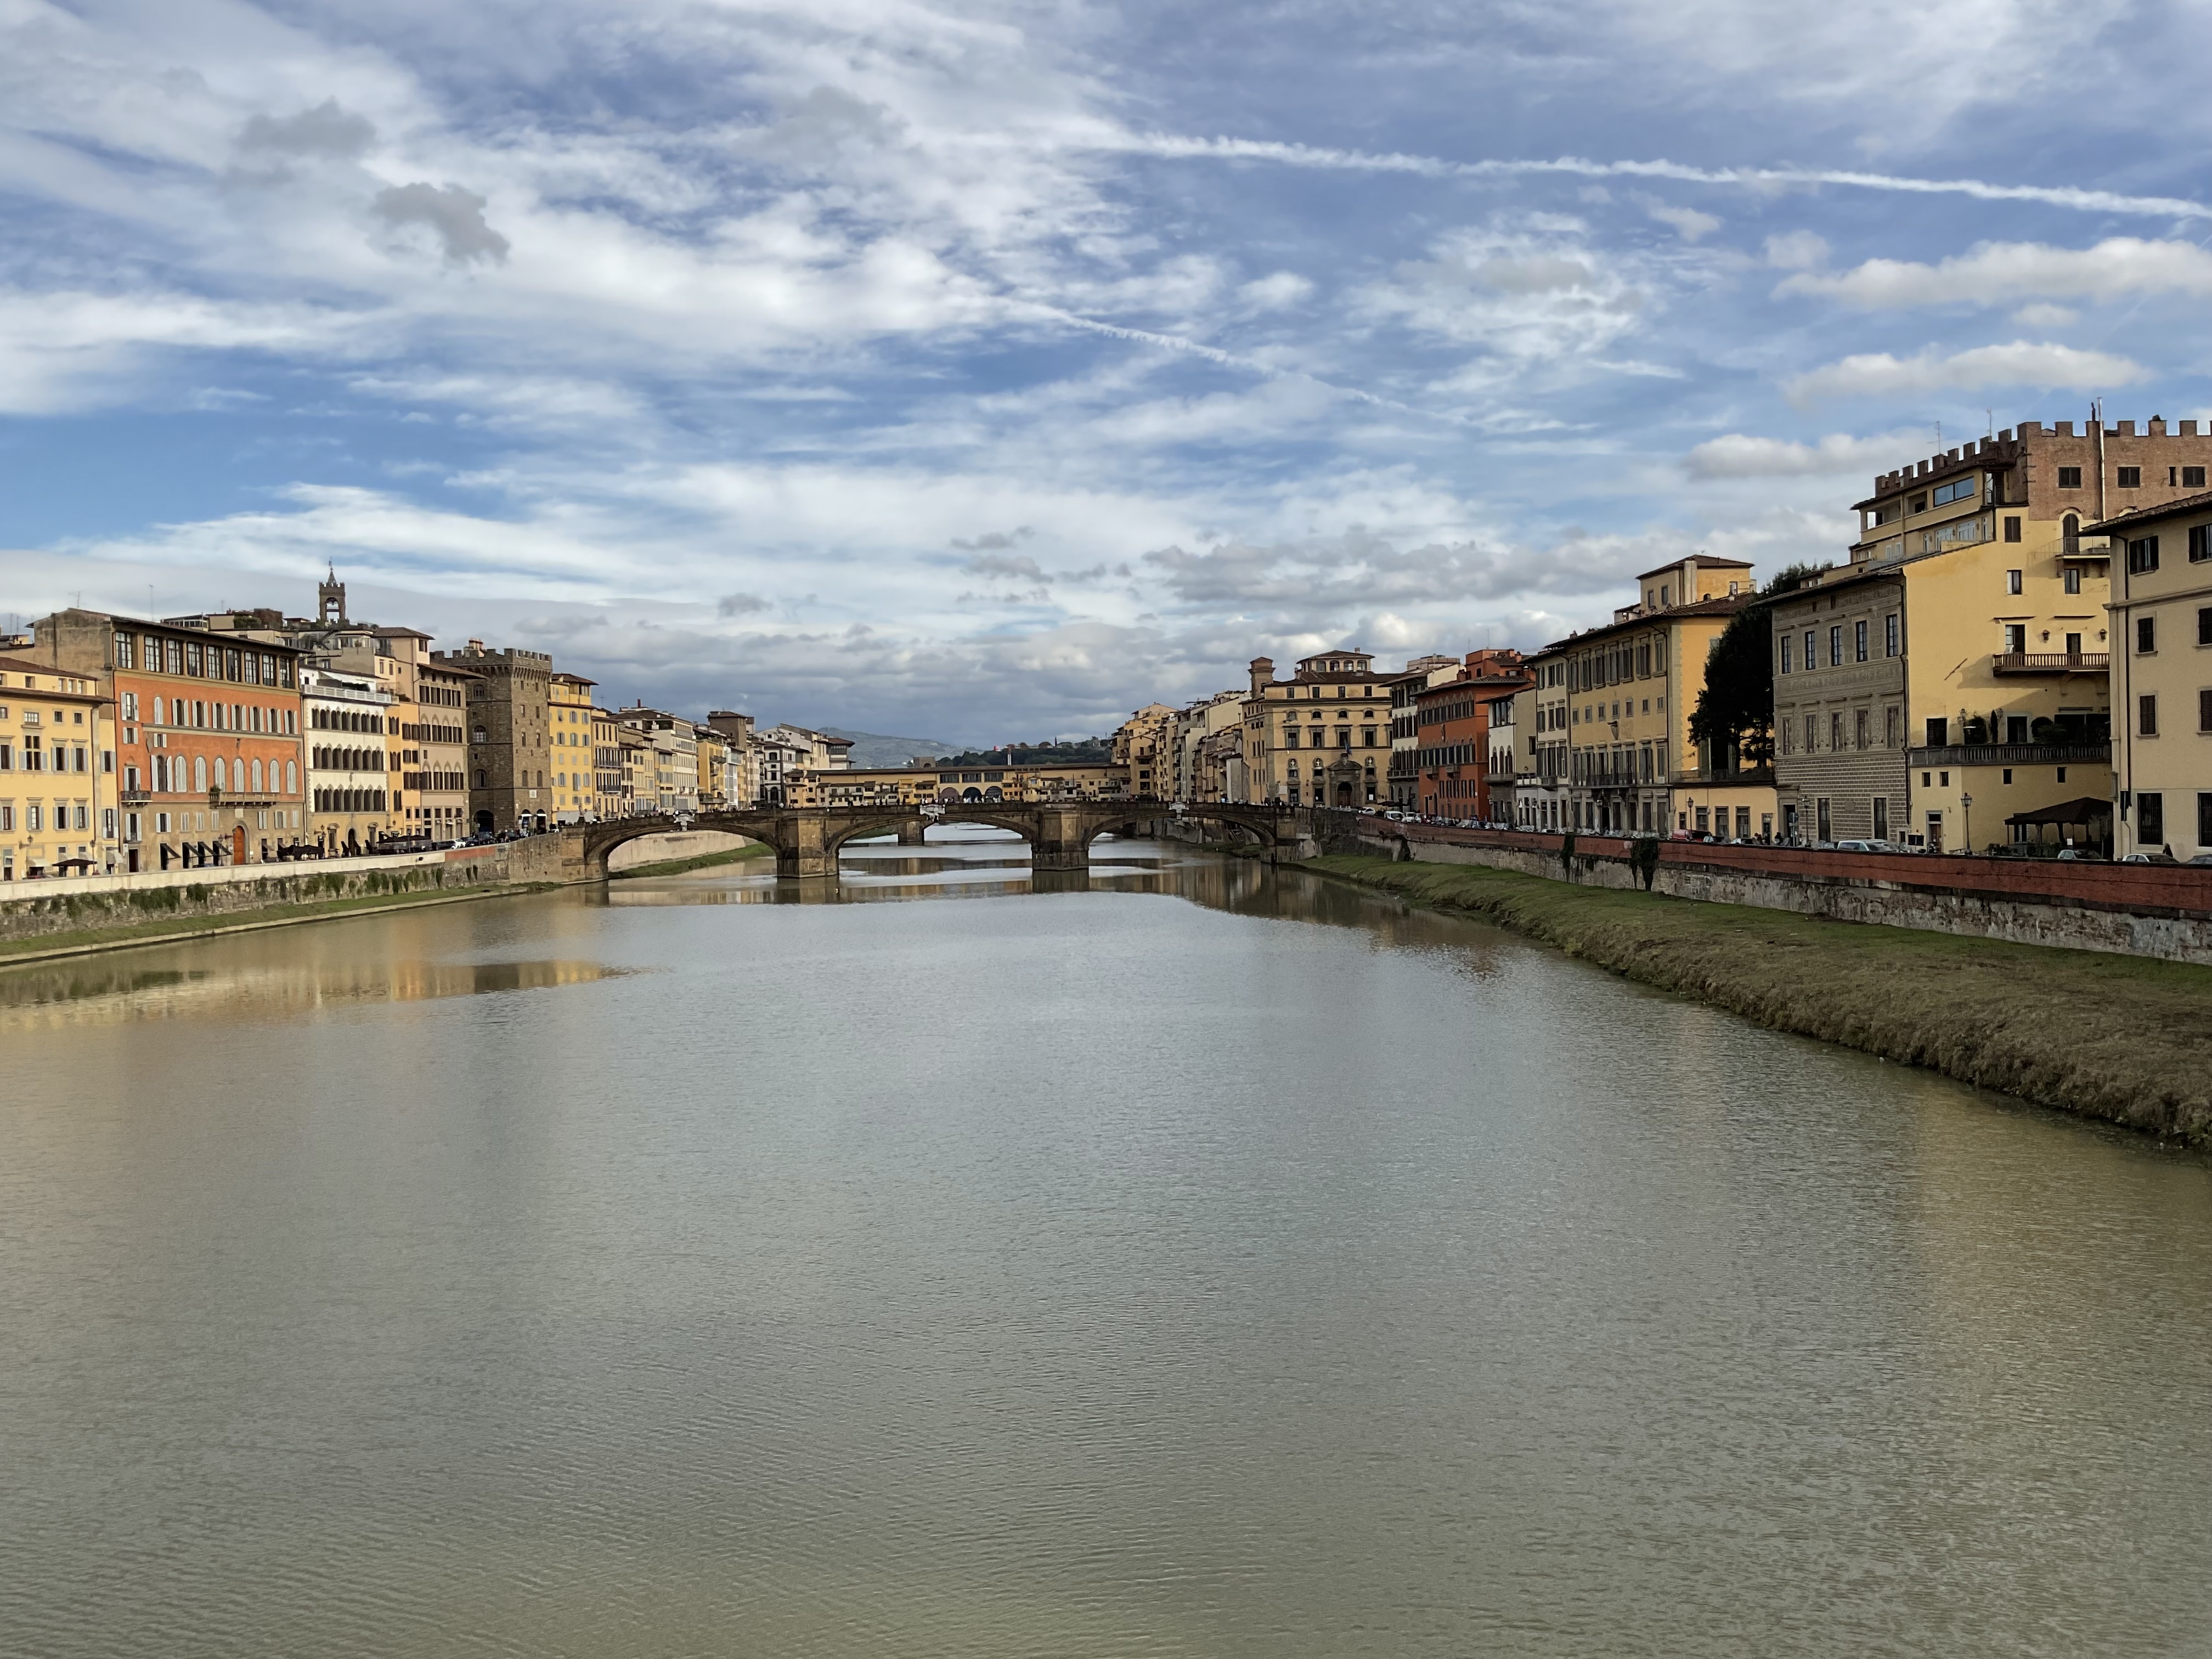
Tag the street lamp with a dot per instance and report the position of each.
(1966, 822)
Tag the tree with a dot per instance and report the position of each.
(1735, 713)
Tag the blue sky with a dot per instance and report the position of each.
(983, 371)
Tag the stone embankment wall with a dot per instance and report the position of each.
(78, 905)
(2129, 909)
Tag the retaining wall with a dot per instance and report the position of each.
(71, 904)
(2128, 909)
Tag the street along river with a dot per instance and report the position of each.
(1191, 1261)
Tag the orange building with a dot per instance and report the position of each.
(1452, 757)
(207, 736)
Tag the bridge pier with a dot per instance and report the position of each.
(807, 851)
(914, 833)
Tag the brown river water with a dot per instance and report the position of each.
(1194, 1259)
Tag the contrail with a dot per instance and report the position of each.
(1430, 167)
(1226, 359)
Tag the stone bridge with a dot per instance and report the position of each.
(1059, 833)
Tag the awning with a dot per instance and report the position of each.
(2083, 810)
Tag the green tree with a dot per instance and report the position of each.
(1735, 713)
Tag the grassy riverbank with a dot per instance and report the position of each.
(2123, 1038)
(752, 849)
(174, 929)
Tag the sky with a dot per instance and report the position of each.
(985, 371)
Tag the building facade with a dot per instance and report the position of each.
(575, 783)
(1322, 737)
(353, 743)
(510, 735)
(1452, 715)
(1983, 701)
(209, 744)
(2162, 676)
(1631, 688)
(59, 810)
(1404, 783)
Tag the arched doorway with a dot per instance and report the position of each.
(1344, 794)
(484, 822)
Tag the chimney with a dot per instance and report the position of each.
(1263, 674)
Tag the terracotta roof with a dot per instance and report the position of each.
(2142, 515)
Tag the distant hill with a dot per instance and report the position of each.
(872, 748)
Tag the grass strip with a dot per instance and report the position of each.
(2124, 1038)
(174, 930)
(752, 849)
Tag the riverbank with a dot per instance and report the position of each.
(752, 849)
(2123, 1038)
(179, 929)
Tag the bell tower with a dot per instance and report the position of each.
(330, 595)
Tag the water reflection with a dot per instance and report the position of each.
(1178, 1257)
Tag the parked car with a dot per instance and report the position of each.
(2201, 858)
(1856, 847)
(2146, 858)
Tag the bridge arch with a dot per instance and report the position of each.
(601, 839)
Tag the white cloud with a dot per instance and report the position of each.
(1689, 224)
(2003, 273)
(1797, 250)
(1879, 374)
(2042, 314)
(1738, 455)
(1277, 292)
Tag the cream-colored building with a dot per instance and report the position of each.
(1952, 686)
(1143, 747)
(353, 744)
(1541, 798)
(1322, 737)
(669, 784)
(575, 753)
(711, 751)
(58, 778)
(1421, 674)
(2162, 676)
(1629, 690)
(1205, 749)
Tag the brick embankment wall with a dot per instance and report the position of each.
(40, 909)
(2144, 910)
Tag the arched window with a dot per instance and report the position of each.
(257, 777)
(200, 773)
(159, 720)
(291, 777)
(481, 777)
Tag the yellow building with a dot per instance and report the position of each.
(57, 801)
(573, 750)
(1141, 746)
(1626, 692)
(1951, 684)
(712, 758)
(2162, 676)
(1322, 737)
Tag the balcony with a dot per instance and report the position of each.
(2013, 754)
(136, 796)
(2052, 662)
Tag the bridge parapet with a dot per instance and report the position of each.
(806, 840)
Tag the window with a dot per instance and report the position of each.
(2012, 582)
(2200, 543)
(1785, 653)
(1959, 490)
(2070, 477)
(2146, 635)
(2147, 716)
(1939, 732)
(1809, 658)
(1835, 730)
(2192, 477)
(1889, 634)
(2073, 579)
(1836, 646)
(1859, 642)
(1812, 739)
(2205, 716)
(2143, 555)
(2204, 626)
(2015, 636)
(1859, 719)
(1916, 504)
(1882, 818)
(1820, 814)
(2204, 821)
(1891, 718)
(2012, 530)
(2131, 477)
(2150, 819)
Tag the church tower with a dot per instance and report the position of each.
(331, 597)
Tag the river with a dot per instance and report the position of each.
(1195, 1261)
